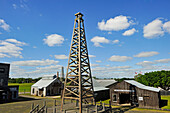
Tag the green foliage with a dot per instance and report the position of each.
(121, 79)
(23, 80)
(155, 79)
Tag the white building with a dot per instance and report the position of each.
(48, 85)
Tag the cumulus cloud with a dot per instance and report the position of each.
(35, 62)
(94, 65)
(92, 56)
(115, 24)
(116, 41)
(11, 48)
(116, 58)
(129, 32)
(146, 54)
(60, 56)
(153, 29)
(166, 26)
(162, 61)
(53, 39)
(4, 25)
(145, 63)
(97, 40)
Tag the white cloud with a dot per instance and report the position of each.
(146, 54)
(162, 61)
(3, 55)
(94, 65)
(145, 63)
(129, 32)
(60, 56)
(11, 48)
(99, 61)
(166, 26)
(116, 41)
(153, 29)
(116, 58)
(97, 40)
(109, 32)
(92, 56)
(115, 24)
(4, 25)
(35, 62)
(54, 39)
(16, 42)
(14, 6)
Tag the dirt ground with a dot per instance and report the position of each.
(24, 103)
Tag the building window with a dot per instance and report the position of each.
(114, 98)
(2, 70)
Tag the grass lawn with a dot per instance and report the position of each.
(23, 86)
(166, 98)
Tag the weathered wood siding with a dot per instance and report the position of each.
(151, 99)
(4, 74)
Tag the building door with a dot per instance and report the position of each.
(124, 98)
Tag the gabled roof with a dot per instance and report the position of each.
(44, 83)
(106, 82)
(141, 86)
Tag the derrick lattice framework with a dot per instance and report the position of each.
(78, 83)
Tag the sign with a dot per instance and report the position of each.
(121, 90)
(141, 98)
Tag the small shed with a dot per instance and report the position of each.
(135, 93)
(47, 86)
(101, 92)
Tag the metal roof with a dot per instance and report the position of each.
(106, 82)
(139, 85)
(43, 83)
(100, 85)
(100, 88)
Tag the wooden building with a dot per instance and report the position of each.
(101, 92)
(47, 86)
(135, 93)
(7, 93)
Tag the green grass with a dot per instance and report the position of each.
(23, 86)
(166, 98)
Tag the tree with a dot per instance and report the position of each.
(155, 79)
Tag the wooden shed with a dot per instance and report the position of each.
(135, 93)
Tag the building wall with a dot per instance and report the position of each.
(53, 89)
(4, 74)
(101, 95)
(144, 98)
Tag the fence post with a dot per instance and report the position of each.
(45, 109)
(54, 102)
(87, 110)
(32, 106)
(96, 109)
(103, 106)
(110, 106)
(100, 103)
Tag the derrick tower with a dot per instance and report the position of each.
(78, 83)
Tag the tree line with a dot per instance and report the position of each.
(155, 79)
(23, 80)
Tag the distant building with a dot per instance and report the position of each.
(101, 90)
(47, 86)
(7, 93)
(135, 93)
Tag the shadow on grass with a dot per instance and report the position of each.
(19, 99)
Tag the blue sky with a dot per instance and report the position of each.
(123, 36)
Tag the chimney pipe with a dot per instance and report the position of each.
(57, 74)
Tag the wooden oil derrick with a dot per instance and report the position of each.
(78, 83)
